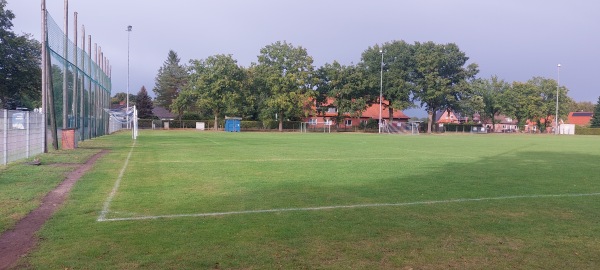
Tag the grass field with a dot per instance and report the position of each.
(192, 200)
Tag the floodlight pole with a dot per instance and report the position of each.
(557, 88)
(380, 90)
(127, 97)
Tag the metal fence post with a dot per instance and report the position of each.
(27, 134)
(5, 137)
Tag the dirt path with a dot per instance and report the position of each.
(17, 242)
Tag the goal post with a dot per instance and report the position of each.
(316, 126)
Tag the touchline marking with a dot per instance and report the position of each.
(347, 206)
(106, 206)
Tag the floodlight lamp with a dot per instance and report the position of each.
(558, 65)
(129, 28)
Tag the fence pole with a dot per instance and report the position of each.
(74, 106)
(81, 112)
(65, 97)
(44, 75)
(27, 134)
(5, 136)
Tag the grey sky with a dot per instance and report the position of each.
(514, 39)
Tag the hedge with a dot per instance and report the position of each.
(579, 130)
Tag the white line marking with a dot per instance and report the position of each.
(284, 160)
(106, 206)
(349, 206)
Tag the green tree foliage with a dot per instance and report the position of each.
(20, 66)
(523, 101)
(121, 97)
(491, 92)
(398, 64)
(286, 73)
(345, 85)
(547, 89)
(216, 84)
(170, 80)
(143, 104)
(584, 106)
(440, 77)
(595, 122)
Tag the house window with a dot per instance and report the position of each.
(312, 121)
(332, 110)
(348, 122)
(328, 122)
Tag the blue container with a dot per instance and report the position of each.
(232, 124)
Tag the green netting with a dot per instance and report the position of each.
(88, 87)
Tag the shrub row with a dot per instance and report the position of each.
(586, 131)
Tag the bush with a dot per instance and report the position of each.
(372, 124)
(251, 125)
(579, 130)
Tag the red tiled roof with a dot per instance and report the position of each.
(372, 111)
(580, 118)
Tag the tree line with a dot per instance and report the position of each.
(285, 85)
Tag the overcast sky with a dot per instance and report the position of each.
(513, 39)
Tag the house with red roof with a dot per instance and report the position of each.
(580, 118)
(531, 126)
(503, 124)
(447, 117)
(327, 116)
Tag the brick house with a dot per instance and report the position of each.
(504, 124)
(327, 117)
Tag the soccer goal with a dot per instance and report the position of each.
(411, 128)
(316, 127)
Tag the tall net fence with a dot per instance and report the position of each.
(79, 85)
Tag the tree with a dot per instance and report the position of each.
(547, 90)
(345, 84)
(171, 78)
(216, 84)
(491, 92)
(398, 71)
(523, 102)
(286, 74)
(440, 77)
(595, 122)
(20, 66)
(143, 104)
(121, 98)
(584, 106)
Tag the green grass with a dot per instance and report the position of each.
(186, 172)
(23, 186)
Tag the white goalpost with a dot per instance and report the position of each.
(325, 126)
(122, 118)
(403, 128)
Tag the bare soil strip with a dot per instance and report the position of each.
(17, 242)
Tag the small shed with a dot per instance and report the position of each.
(233, 124)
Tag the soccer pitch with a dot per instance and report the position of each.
(187, 199)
